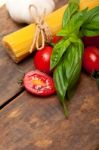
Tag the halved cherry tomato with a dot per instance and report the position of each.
(56, 39)
(38, 83)
(42, 59)
(91, 59)
(91, 41)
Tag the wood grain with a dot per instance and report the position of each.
(32, 123)
(9, 71)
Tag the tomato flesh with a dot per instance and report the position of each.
(91, 59)
(39, 83)
(42, 59)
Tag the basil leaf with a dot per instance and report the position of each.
(63, 32)
(70, 11)
(72, 63)
(68, 71)
(61, 85)
(87, 32)
(91, 25)
(94, 25)
(75, 73)
(74, 38)
(74, 24)
(74, 1)
(91, 16)
(58, 51)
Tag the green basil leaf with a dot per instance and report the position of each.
(91, 16)
(67, 72)
(70, 11)
(61, 85)
(74, 1)
(74, 24)
(74, 38)
(58, 51)
(91, 25)
(75, 73)
(94, 25)
(63, 32)
(88, 32)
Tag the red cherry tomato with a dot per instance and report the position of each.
(91, 59)
(38, 83)
(91, 41)
(56, 39)
(42, 59)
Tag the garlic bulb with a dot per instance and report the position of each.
(19, 9)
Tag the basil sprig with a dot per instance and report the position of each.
(67, 54)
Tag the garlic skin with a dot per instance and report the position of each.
(19, 9)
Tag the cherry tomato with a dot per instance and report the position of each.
(56, 39)
(91, 59)
(38, 83)
(42, 59)
(91, 41)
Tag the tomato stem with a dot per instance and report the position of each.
(95, 76)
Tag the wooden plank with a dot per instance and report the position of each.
(9, 75)
(9, 71)
(32, 123)
(7, 25)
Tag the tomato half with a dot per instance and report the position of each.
(38, 83)
(91, 59)
(42, 59)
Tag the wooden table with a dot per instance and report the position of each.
(31, 123)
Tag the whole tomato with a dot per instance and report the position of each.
(91, 41)
(56, 39)
(42, 59)
(91, 59)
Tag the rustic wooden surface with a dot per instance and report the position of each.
(32, 123)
